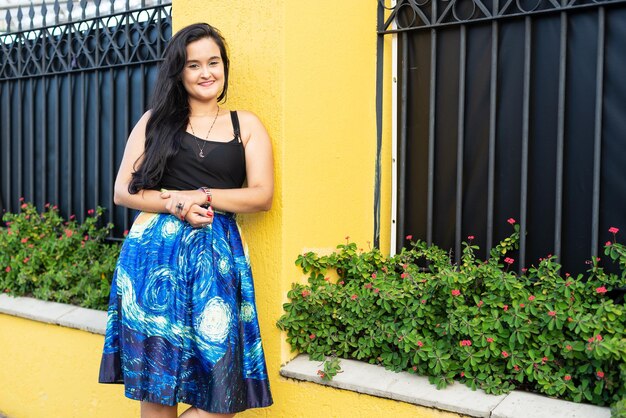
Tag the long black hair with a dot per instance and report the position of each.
(170, 105)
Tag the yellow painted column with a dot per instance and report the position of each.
(308, 69)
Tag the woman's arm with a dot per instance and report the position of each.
(147, 200)
(257, 196)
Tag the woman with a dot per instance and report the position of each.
(182, 323)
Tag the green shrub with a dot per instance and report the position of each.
(49, 258)
(477, 322)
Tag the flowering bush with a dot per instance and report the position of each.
(52, 259)
(476, 322)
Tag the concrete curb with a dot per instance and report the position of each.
(62, 314)
(377, 381)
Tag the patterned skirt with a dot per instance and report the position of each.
(182, 321)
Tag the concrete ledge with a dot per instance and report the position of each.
(69, 316)
(378, 381)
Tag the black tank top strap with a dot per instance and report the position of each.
(235, 119)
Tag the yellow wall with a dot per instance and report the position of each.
(308, 69)
(51, 371)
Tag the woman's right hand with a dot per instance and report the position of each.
(199, 217)
(180, 202)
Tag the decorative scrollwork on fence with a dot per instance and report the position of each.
(424, 14)
(136, 36)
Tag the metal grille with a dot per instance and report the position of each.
(511, 109)
(69, 95)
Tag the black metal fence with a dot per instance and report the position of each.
(512, 109)
(69, 95)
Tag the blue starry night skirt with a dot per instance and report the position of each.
(182, 321)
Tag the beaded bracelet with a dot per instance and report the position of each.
(209, 195)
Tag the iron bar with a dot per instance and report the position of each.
(432, 115)
(560, 137)
(380, 58)
(525, 134)
(19, 141)
(96, 134)
(111, 143)
(44, 142)
(460, 140)
(493, 105)
(82, 144)
(403, 138)
(57, 142)
(597, 140)
(31, 142)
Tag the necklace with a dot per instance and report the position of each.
(201, 148)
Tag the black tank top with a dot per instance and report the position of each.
(223, 165)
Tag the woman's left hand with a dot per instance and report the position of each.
(199, 217)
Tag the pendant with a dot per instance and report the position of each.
(201, 154)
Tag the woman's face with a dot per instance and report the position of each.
(203, 76)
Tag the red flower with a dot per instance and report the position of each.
(505, 307)
(341, 282)
(373, 275)
(505, 354)
(524, 270)
(600, 374)
(552, 313)
(590, 339)
(409, 237)
(21, 199)
(69, 233)
(511, 221)
(414, 368)
(599, 337)
(8, 269)
(72, 217)
(489, 339)
(24, 206)
(327, 278)
(471, 237)
(403, 276)
(531, 298)
(465, 343)
(567, 378)
(601, 290)
(24, 240)
(568, 347)
(353, 297)
(26, 260)
(521, 305)
(613, 230)
(305, 293)
(608, 243)
(368, 285)
(376, 290)
(126, 232)
(90, 212)
(420, 344)
(544, 360)
(321, 373)
(509, 260)
(455, 292)
(312, 336)
(462, 374)
(480, 303)
(47, 205)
